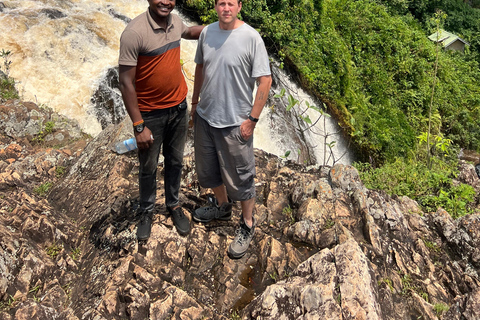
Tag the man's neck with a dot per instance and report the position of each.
(161, 21)
(230, 26)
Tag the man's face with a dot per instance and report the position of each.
(227, 10)
(161, 8)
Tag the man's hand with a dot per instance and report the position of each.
(144, 139)
(192, 114)
(246, 129)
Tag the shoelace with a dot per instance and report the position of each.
(243, 235)
(179, 213)
(144, 219)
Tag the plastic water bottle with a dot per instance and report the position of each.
(125, 146)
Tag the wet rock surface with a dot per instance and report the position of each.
(325, 247)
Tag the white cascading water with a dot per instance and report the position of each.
(61, 50)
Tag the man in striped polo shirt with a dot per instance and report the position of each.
(154, 92)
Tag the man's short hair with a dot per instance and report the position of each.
(238, 1)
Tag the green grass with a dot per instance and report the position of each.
(7, 84)
(43, 189)
(53, 250)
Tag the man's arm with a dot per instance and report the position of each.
(127, 88)
(264, 84)
(192, 32)
(197, 85)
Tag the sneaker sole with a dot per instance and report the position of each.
(225, 218)
(143, 238)
(236, 255)
(183, 232)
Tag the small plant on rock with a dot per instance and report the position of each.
(53, 250)
(440, 308)
(235, 315)
(388, 282)
(45, 131)
(43, 189)
(76, 253)
(60, 171)
(288, 212)
(7, 84)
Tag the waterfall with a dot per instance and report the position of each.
(65, 56)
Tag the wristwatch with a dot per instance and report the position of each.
(252, 118)
(139, 127)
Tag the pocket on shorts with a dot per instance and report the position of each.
(246, 175)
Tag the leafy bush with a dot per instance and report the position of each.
(373, 65)
(431, 188)
(7, 84)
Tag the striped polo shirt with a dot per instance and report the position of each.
(155, 52)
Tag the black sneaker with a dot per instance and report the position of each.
(144, 226)
(180, 220)
(213, 212)
(243, 237)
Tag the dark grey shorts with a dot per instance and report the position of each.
(222, 156)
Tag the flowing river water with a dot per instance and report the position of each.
(62, 50)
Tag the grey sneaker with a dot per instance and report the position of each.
(243, 237)
(213, 212)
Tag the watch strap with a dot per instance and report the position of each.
(252, 118)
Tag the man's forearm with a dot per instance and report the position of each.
(261, 96)
(131, 103)
(197, 85)
(193, 32)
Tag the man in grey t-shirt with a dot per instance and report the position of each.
(231, 57)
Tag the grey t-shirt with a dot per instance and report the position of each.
(232, 60)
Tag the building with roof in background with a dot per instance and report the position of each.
(449, 40)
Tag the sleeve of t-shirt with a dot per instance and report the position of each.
(183, 25)
(129, 48)
(261, 64)
(199, 52)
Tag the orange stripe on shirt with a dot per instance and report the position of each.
(160, 82)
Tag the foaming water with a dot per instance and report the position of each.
(62, 50)
(284, 132)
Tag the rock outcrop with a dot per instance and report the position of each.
(325, 247)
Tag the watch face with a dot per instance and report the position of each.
(139, 128)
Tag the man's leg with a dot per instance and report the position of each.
(219, 210)
(221, 194)
(175, 132)
(173, 149)
(245, 231)
(247, 211)
(147, 176)
(209, 176)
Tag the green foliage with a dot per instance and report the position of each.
(388, 282)
(432, 246)
(440, 308)
(407, 284)
(60, 171)
(76, 253)
(47, 129)
(374, 65)
(431, 188)
(328, 224)
(53, 250)
(7, 84)
(42, 190)
(288, 212)
(235, 315)
(454, 200)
